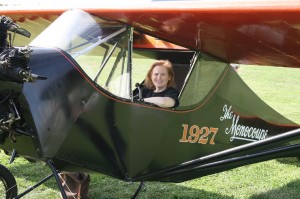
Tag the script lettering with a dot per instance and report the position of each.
(228, 113)
(241, 132)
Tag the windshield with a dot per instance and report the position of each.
(99, 46)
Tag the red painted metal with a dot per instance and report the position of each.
(249, 32)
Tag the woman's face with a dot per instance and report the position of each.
(160, 78)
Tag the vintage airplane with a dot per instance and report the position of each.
(69, 98)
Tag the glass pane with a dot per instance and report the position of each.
(100, 47)
(141, 62)
(203, 79)
(115, 75)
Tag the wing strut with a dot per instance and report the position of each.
(55, 173)
(35, 186)
(269, 148)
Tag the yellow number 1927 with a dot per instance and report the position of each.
(195, 134)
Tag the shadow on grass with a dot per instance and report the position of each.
(291, 161)
(105, 187)
(290, 191)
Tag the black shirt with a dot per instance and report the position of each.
(169, 92)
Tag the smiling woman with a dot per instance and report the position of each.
(160, 85)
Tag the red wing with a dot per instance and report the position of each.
(251, 32)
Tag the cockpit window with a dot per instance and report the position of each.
(202, 80)
(99, 46)
(114, 71)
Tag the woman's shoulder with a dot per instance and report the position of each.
(146, 92)
(172, 89)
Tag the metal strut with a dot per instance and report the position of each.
(13, 156)
(33, 187)
(55, 173)
(142, 185)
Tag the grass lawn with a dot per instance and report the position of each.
(275, 179)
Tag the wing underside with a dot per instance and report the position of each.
(251, 32)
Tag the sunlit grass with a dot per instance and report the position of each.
(275, 179)
(278, 86)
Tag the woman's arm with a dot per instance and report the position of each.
(164, 102)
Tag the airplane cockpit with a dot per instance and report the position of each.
(116, 56)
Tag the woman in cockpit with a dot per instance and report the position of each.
(159, 86)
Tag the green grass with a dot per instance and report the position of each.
(275, 179)
(278, 86)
